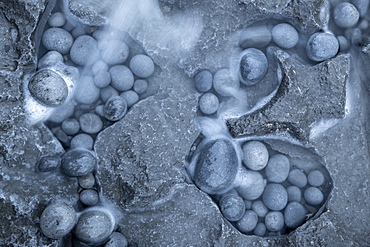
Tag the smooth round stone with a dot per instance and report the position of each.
(275, 197)
(93, 226)
(102, 79)
(274, 221)
(224, 84)
(58, 19)
(84, 50)
(294, 214)
(343, 43)
(51, 58)
(277, 169)
(122, 77)
(116, 239)
(131, 97)
(297, 178)
(249, 184)
(294, 194)
(315, 178)
(70, 126)
(257, 37)
(346, 15)
(62, 112)
(248, 204)
(216, 167)
(87, 93)
(89, 197)
(82, 141)
(99, 66)
(260, 208)
(255, 155)
(313, 196)
(322, 46)
(140, 86)
(99, 110)
(253, 66)
(248, 222)
(107, 92)
(77, 32)
(86, 181)
(57, 220)
(115, 108)
(209, 103)
(90, 123)
(57, 39)
(232, 207)
(203, 81)
(71, 72)
(285, 35)
(114, 52)
(361, 5)
(78, 162)
(260, 230)
(49, 163)
(48, 88)
(142, 66)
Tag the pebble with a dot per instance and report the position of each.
(86, 181)
(343, 43)
(107, 92)
(122, 77)
(249, 184)
(294, 214)
(142, 66)
(70, 126)
(93, 226)
(131, 97)
(115, 108)
(203, 81)
(99, 66)
(48, 88)
(277, 169)
(51, 58)
(315, 178)
(294, 194)
(248, 222)
(114, 52)
(82, 141)
(57, 39)
(224, 84)
(248, 204)
(361, 5)
(62, 137)
(57, 220)
(274, 221)
(260, 230)
(313, 196)
(140, 86)
(49, 163)
(285, 35)
(322, 46)
(346, 15)
(89, 197)
(77, 32)
(91, 123)
(232, 207)
(255, 155)
(62, 112)
(297, 178)
(260, 208)
(257, 37)
(78, 162)
(208, 103)
(253, 66)
(116, 239)
(102, 79)
(275, 197)
(58, 19)
(87, 93)
(99, 110)
(84, 50)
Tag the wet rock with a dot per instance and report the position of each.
(78, 162)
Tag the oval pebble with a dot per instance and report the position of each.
(253, 66)
(294, 214)
(58, 19)
(274, 221)
(140, 86)
(315, 178)
(131, 97)
(260, 208)
(84, 50)
(99, 110)
(86, 181)
(102, 79)
(114, 52)
(249, 184)
(232, 207)
(86, 92)
(343, 43)
(346, 15)
(257, 37)
(313, 196)
(208, 103)
(260, 230)
(322, 46)
(99, 66)
(82, 141)
(116, 239)
(224, 84)
(142, 66)
(115, 108)
(78, 162)
(70, 126)
(51, 58)
(248, 222)
(107, 92)
(275, 197)
(203, 81)
(255, 155)
(77, 32)
(285, 35)
(122, 77)
(277, 169)
(57, 39)
(294, 194)
(90, 123)
(361, 5)
(89, 197)
(297, 178)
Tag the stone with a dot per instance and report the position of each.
(277, 169)
(99, 66)
(57, 19)
(346, 15)
(122, 77)
(51, 58)
(257, 37)
(294, 194)
(86, 92)
(140, 86)
(253, 66)
(260, 230)
(275, 197)
(49, 163)
(89, 197)
(131, 97)
(116, 239)
(114, 52)
(57, 39)
(249, 184)
(86, 181)
(285, 35)
(297, 178)
(248, 222)
(90, 123)
(224, 84)
(78, 162)
(274, 221)
(322, 46)
(255, 155)
(107, 92)
(203, 81)
(232, 207)
(142, 66)
(70, 126)
(82, 141)
(84, 50)
(260, 208)
(315, 178)
(102, 78)
(313, 196)
(208, 103)
(294, 214)
(115, 108)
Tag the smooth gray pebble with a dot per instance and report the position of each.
(315, 178)
(57, 39)
(248, 222)
(82, 141)
(86, 181)
(70, 126)
(142, 66)
(260, 208)
(274, 221)
(89, 197)
(58, 19)
(255, 155)
(116, 239)
(285, 35)
(203, 81)
(275, 197)
(297, 178)
(232, 207)
(253, 66)
(313, 196)
(294, 214)
(90, 123)
(122, 77)
(140, 86)
(277, 169)
(208, 103)
(294, 194)
(257, 37)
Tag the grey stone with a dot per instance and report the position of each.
(57, 39)
(107, 92)
(77, 32)
(322, 46)
(140, 86)
(232, 207)
(78, 162)
(260, 229)
(248, 222)
(49, 163)
(82, 141)
(90, 123)
(275, 197)
(260, 208)
(249, 184)
(131, 97)
(116, 239)
(274, 221)
(99, 66)
(256, 37)
(115, 108)
(208, 103)
(57, 19)
(297, 178)
(361, 5)
(313, 196)
(224, 84)
(86, 92)
(114, 51)
(62, 112)
(49, 59)
(84, 50)
(122, 77)
(294, 214)
(315, 178)
(255, 155)
(343, 43)
(346, 15)
(277, 169)
(203, 81)
(86, 181)
(253, 66)
(101, 78)
(89, 197)
(285, 35)
(142, 66)
(294, 194)
(70, 126)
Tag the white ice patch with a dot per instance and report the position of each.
(321, 126)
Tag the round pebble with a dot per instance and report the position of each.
(255, 155)
(51, 58)
(294, 214)
(57, 39)
(285, 35)
(315, 178)
(346, 15)
(322, 46)
(114, 52)
(208, 103)
(257, 37)
(142, 66)
(361, 5)
(99, 110)
(275, 197)
(277, 169)
(78, 162)
(203, 81)
(86, 181)
(93, 226)
(57, 220)
(82, 141)
(249, 184)
(70, 126)
(84, 50)
(232, 207)
(140, 86)
(89, 197)
(297, 178)
(107, 92)
(102, 79)
(274, 221)
(253, 66)
(49, 163)
(115, 108)
(122, 77)
(58, 19)
(260, 230)
(260, 208)
(248, 222)
(90, 123)
(248, 204)
(87, 93)
(99, 66)
(116, 239)
(62, 112)
(77, 32)
(313, 196)
(343, 43)
(294, 194)
(224, 84)
(131, 97)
